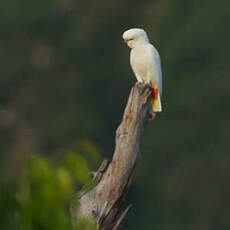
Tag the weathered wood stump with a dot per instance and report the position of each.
(103, 201)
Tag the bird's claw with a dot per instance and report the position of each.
(151, 117)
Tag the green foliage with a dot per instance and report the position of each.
(42, 193)
(85, 224)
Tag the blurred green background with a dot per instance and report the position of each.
(64, 81)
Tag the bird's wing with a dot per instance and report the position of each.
(156, 66)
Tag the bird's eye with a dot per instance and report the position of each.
(130, 39)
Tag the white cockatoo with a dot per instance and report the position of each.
(145, 63)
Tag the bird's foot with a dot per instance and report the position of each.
(152, 116)
(139, 83)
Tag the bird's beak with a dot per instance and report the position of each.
(127, 40)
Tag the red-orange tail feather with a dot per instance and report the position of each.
(156, 100)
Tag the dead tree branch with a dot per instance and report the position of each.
(103, 201)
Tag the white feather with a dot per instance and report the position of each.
(144, 58)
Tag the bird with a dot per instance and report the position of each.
(146, 64)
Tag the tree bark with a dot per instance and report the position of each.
(104, 199)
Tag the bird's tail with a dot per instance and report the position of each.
(156, 100)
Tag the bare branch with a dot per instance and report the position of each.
(104, 201)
